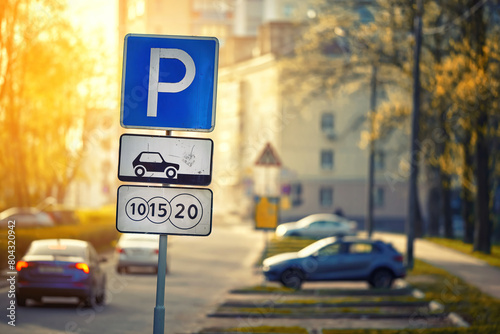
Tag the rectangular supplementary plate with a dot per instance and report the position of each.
(165, 159)
(164, 210)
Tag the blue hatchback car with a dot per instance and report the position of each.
(62, 268)
(337, 259)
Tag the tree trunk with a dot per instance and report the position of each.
(419, 221)
(434, 208)
(466, 194)
(482, 237)
(467, 214)
(483, 228)
(446, 205)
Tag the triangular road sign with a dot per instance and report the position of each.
(268, 157)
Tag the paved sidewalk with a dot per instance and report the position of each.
(473, 271)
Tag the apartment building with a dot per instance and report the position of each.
(322, 166)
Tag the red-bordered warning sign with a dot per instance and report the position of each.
(268, 157)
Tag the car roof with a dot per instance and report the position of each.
(324, 216)
(137, 236)
(67, 242)
(20, 210)
(353, 239)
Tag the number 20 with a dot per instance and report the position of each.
(192, 211)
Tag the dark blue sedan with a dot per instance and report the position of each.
(60, 267)
(337, 259)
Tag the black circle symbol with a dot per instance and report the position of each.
(137, 208)
(187, 211)
(159, 210)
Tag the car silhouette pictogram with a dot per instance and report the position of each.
(153, 162)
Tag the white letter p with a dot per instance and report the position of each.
(156, 87)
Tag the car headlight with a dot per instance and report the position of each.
(266, 268)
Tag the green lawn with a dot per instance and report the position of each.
(470, 303)
(493, 259)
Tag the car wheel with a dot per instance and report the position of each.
(140, 171)
(171, 172)
(121, 270)
(292, 278)
(21, 301)
(90, 299)
(101, 296)
(381, 278)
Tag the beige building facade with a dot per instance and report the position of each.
(322, 166)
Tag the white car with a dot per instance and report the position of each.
(317, 226)
(137, 250)
(26, 217)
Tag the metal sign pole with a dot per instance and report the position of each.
(159, 312)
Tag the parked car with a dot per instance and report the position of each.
(137, 250)
(60, 267)
(26, 217)
(318, 226)
(337, 259)
(154, 162)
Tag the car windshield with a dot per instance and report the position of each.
(142, 238)
(314, 247)
(328, 218)
(56, 250)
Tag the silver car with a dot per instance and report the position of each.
(318, 226)
(137, 250)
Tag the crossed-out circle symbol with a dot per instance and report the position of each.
(187, 212)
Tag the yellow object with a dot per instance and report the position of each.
(266, 212)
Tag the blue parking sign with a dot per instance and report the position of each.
(169, 82)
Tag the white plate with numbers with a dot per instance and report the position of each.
(164, 210)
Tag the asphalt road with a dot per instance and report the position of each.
(202, 270)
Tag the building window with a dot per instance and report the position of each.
(326, 197)
(379, 160)
(327, 159)
(327, 123)
(379, 198)
(288, 9)
(296, 194)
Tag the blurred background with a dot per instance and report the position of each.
(327, 84)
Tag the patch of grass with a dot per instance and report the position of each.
(265, 289)
(476, 330)
(341, 300)
(492, 259)
(470, 303)
(97, 226)
(258, 329)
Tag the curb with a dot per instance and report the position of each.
(458, 320)
(326, 316)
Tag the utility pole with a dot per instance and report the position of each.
(371, 157)
(412, 198)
